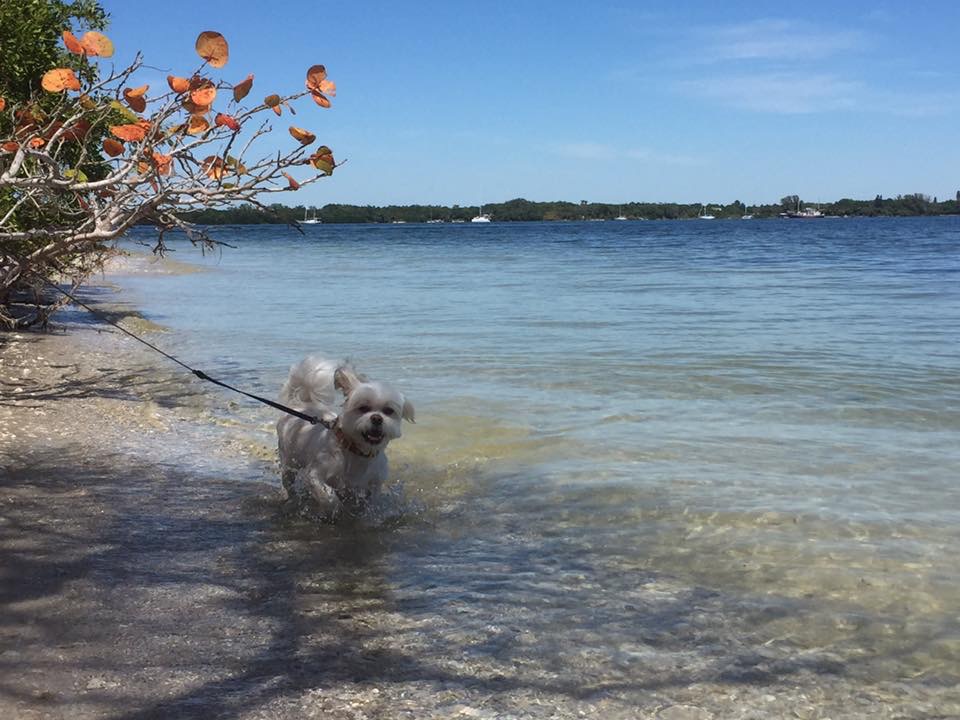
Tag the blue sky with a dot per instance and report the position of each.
(470, 102)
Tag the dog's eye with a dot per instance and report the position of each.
(388, 411)
(363, 409)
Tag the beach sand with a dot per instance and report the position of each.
(149, 572)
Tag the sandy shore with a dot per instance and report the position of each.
(147, 571)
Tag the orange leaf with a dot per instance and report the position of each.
(204, 93)
(52, 129)
(227, 121)
(135, 99)
(36, 142)
(131, 133)
(198, 124)
(294, 185)
(112, 147)
(72, 44)
(3, 104)
(316, 75)
(9, 147)
(59, 79)
(320, 99)
(178, 84)
(191, 107)
(213, 167)
(323, 160)
(328, 87)
(273, 102)
(77, 131)
(212, 47)
(240, 90)
(302, 136)
(137, 104)
(162, 163)
(95, 43)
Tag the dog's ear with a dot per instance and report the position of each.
(407, 413)
(345, 379)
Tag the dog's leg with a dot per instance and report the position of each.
(323, 497)
(288, 477)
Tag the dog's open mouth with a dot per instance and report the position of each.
(374, 436)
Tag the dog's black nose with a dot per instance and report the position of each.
(376, 419)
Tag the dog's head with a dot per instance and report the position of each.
(372, 411)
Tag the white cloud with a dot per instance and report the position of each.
(596, 152)
(655, 157)
(793, 93)
(587, 151)
(776, 40)
(787, 93)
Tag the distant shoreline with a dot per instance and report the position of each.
(520, 210)
(444, 222)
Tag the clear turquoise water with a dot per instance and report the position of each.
(769, 410)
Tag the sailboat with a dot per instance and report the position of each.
(314, 220)
(620, 215)
(481, 218)
(704, 215)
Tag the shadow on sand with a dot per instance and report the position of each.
(134, 592)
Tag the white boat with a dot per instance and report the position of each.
(747, 215)
(805, 214)
(312, 220)
(704, 215)
(808, 213)
(480, 218)
(621, 216)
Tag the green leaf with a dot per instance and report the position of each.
(238, 167)
(127, 113)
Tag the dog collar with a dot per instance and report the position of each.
(348, 444)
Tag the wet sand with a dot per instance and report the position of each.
(147, 570)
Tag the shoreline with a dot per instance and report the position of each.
(148, 572)
(120, 504)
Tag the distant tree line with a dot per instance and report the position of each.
(521, 210)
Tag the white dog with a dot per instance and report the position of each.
(343, 465)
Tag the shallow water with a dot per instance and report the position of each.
(755, 422)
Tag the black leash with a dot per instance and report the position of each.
(199, 373)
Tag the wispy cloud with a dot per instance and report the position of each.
(800, 93)
(601, 152)
(912, 104)
(776, 40)
(587, 151)
(788, 93)
(785, 66)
